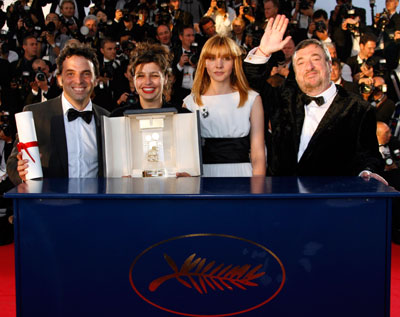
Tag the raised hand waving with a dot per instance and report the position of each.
(272, 40)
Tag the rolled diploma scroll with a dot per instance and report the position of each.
(27, 135)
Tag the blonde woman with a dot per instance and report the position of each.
(232, 118)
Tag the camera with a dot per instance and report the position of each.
(40, 75)
(5, 123)
(388, 159)
(366, 89)
(131, 100)
(246, 10)
(50, 27)
(384, 20)
(351, 27)
(192, 54)
(320, 26)
(127, 17)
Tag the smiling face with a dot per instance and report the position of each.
(78, 80)
(149, 83)
(312, 70)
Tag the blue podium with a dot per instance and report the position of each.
(203, 247)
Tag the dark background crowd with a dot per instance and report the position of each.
(365, 57)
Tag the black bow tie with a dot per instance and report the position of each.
(85, 115)
(308, 99)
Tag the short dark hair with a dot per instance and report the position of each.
(74, 49)
(67, 1)
(106, 40)
(204, 21)
(367, 37)
(275, 3)
(184, 27)
(26, 38)
(320, 13)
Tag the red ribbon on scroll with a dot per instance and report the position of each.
(25, 146)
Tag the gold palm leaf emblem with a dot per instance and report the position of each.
(194, 273)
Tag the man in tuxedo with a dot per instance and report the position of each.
(67, 127)
(318, 128)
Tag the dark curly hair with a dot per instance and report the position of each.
(74, 49)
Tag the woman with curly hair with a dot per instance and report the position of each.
(151, 75)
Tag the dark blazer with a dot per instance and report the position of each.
(344, 143)
(50, 132)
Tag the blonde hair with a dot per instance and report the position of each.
(219, 46)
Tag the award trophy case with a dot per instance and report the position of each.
(151, 143)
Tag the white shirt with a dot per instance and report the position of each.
(313, 116)
(81, 143)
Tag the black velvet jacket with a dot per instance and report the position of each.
(344, 143)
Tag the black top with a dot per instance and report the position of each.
(119, 112)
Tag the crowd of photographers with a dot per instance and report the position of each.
(365, 57)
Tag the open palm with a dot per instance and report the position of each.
(272, 40)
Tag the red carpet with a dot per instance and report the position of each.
(395, 282)
(7, 281)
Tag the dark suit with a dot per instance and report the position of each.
(50, 132)
(344, 143)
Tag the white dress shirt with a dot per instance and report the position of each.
(313, 116)
(81, 143)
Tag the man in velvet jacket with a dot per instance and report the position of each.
(67, 127)
(333, 134)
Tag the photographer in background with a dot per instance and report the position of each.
(222, 15)
(386, 23)
(51, 40)
(111, 74)
(184, 64)
(376, 95)
(362, 65)
(43, 83)
(68, 18)
(126, 89)
(246, 13)
(21, 77)
(347, 26)
(303, 13)
(317, 29)
(6, 211)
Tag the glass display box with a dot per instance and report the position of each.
(151, 143)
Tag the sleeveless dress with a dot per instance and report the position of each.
(220, 117)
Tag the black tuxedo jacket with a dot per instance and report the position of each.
(50, 132)
(344, 143)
